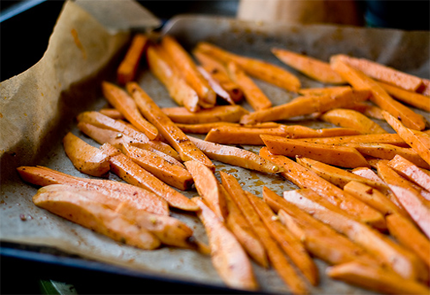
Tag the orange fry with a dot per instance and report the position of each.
(179, 141)
(253, 94)
(128, 67)
(410, 171)
(409, 236)
(379, 96)
(132, 173)
(399, 259)
(229, 113)
(311, 67)
(276, 257)
(306, 105)
(320, 239)
(219, 73)
(208, 188)
(185, 64)
(305, 178)
(382, 73)
(288, 242)
(352, 119)
(177, 87)
(228, 257)
(419, 141)
(140, 198)
(412, 98)
(330, 154)
(235, 156)
(417, 207)
(257, 68)
(126, 105)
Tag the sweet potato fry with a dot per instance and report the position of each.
(352, 119)
(305, 178)
(306, 105)
(235, 156)
(188, 69)
(286, 240)
(253, 94)
(311, 67)
(179, 141)
(172, 174)
(240, 227)
(319, 239)
(203, 128)
(399, 259)
(126, 105)
(368, 110)
(417, 207)
(241, 134)
(369, 174)
(330, 154)
(382, 73)
(128, 66)
(216, 87)
(230, 113)
(99, 120)
(257, 68)
(169, 230)
(410, 171)
(379, 96)
(114, 138)
(114, 190)
(411, 98)
(322, 91)
(388, 152)
(208, 188)
(179, 90)
(337, 176)
(132, 173)
(228, 257)
(375, 278)
(388, 138)
(86, 158)
(409, 236)
(219, 73)
(276, 257)
(425, 88)
(112, 113)
(372, 197)
(73, 206)
(419, 141)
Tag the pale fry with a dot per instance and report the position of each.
(86, 158)
(228, 257)
(235, 156)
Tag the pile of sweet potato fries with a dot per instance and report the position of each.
(363, 203)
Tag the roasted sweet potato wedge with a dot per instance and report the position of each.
(86, 158)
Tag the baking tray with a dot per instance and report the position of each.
(177, 270)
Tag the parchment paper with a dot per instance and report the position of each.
(69, 85)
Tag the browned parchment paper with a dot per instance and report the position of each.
(70, 87)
